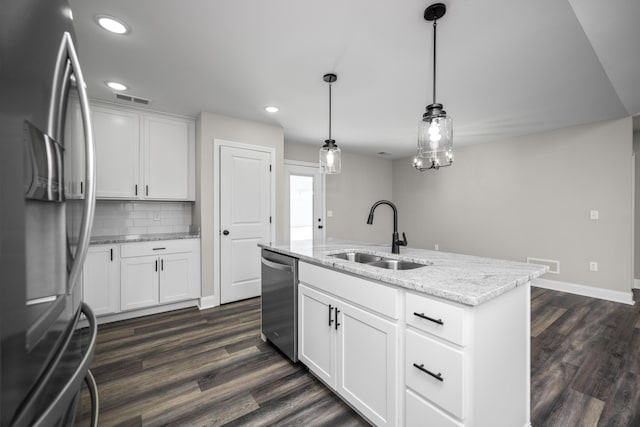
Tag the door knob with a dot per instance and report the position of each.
(320, 227)
(225, 232)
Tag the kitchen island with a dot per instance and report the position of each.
(445, 343)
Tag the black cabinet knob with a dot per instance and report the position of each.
(225, 232)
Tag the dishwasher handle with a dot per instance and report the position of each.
(277, 265)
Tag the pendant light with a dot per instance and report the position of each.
(330, 161)
(435, 132)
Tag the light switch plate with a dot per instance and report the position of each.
(594, 215)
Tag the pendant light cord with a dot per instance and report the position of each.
(329, 111)
(434, 60)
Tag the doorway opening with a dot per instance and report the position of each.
(304, 201)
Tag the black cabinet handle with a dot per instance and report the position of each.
(81, 188)
(156, 265)
(437, 376)
(136, 189)
(337, 311)
(422, 316)
(330, 310)
(147, 190)
(159, 249)
(162, 264)
(111, 254)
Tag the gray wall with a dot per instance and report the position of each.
(211, 126)
(350, 194)
(531, 196)
(636, 149)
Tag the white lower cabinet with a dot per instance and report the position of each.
(101, 279)
(409, 359)
(159, 272)
(131, 276)
(354, 351)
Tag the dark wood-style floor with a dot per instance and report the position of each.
(208, 368)
(585, 361)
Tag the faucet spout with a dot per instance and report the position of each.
(395, 240)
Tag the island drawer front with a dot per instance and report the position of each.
(436, 358)
(420, 413)
(157, 247)
(366, 293)
(445, 320)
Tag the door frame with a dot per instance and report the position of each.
(287, 201)
(217, 145)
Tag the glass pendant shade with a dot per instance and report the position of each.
(435, 139)
(435, 128)
(330, 158)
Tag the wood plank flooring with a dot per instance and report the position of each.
(585, 361)
(210, 368)
(204, 368)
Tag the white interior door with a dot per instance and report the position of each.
(304, 201)
(245, 220)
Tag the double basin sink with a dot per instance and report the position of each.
(379, 261)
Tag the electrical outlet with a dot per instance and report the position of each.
(156, 216)
(594, 215)
(329, 214)
(436, 247)
(593, 266)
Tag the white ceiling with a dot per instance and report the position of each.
(505, 67)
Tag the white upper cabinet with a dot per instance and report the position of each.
(168, 156)
(143, 156)
(117, 136)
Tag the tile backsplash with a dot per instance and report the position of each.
(124, 218)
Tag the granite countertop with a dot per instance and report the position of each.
(105, 240)
(466, 279)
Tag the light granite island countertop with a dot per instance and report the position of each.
(466, 279)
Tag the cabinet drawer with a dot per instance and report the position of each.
(367, 293)
(420, 413)
(158, 247)
(447, 320)
(440, 359)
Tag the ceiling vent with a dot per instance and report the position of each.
(132, 99)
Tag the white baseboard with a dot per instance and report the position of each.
(636, 283)
(587, 291)
(141, 312)
(207, 302)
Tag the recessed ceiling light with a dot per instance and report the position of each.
(116, 86)
(112, 24)
(271, 109)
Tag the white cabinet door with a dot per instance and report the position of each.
(101, 279)
(367, 352)
(139, 282)
(117, 136)
(167, 147)
(175, 275)
(316, 334)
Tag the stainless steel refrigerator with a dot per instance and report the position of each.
(45, 216)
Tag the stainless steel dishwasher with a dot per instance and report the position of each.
(280, 302)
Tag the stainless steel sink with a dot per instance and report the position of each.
(358, 257)
(395, 264)
(379, 261)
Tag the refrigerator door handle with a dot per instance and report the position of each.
(57, 407)
(90, 184)
(61, 402)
